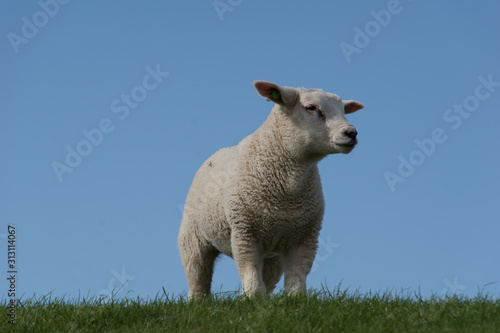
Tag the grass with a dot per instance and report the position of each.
(318, 311)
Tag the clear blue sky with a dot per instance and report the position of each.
(109, 108)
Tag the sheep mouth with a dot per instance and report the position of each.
(346, 147)
(348, 144)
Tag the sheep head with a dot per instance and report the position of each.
(315, 122)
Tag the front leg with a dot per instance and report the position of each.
(298, 263)
(249, 262)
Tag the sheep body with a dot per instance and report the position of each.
(261, 202)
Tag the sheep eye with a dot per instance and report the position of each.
(315, 110)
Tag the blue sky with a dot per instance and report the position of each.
(109, 108)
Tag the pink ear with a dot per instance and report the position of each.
(284, 96)
(352, 106)
(266, 89)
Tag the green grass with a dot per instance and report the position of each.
(319, 311)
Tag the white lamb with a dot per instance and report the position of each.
(260, 202)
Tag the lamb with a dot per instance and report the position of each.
(261, 202)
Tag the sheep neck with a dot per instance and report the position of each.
(278, 161)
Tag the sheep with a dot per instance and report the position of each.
(261, 202)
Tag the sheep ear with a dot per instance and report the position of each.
(352, 106)
(285, 96)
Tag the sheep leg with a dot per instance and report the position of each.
(249, 263)
(298, 263)
(272, 272)
(198, 258)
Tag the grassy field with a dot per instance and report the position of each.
(319, 311)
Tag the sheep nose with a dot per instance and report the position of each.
(351, 133)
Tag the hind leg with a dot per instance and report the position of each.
(198, 258)
(272, 272)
